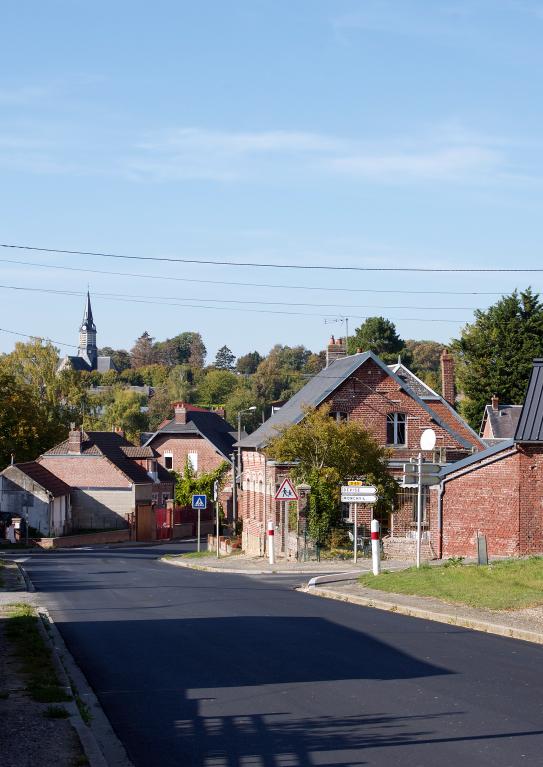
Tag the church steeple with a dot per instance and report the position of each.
(87, 336)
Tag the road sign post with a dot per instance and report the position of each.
(199, 502)
(356, 492)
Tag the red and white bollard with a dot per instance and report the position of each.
(271, 548)
(375, 553)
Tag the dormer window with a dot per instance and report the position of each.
(396, 429)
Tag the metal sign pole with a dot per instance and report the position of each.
(199, 515)
(419, 508)
(355, 523)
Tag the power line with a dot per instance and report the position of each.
(168, 278)
(317, 267)
(36, 338)
(120, 297)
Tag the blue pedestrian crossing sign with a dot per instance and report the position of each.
(199, 501)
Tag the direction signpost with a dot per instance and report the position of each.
(356, 492)
(199, 502)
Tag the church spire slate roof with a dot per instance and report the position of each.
(88, 321)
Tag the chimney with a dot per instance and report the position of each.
(119, 431)
(447, 377)
(180, 412)
(495, 403)
(336, 349)
(219, 411)
(75, 438)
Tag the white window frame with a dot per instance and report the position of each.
(394, 418)
(192, 458)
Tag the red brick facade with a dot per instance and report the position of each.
(368, 396)
(180, 445)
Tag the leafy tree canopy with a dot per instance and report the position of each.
(327, 453)
(189, 483)
(494, 354)
(217, 386)
(379, 335)
(225, 359)
(248, 363)
(143, 351)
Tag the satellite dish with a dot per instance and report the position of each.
(428, 439)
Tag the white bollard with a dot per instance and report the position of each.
(375, 552)
(271, 548)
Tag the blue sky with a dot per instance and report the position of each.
(349, 132)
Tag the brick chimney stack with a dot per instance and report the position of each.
(495, 403)
(448, 389)
(180, 412)
(75, 439)
(336, 349)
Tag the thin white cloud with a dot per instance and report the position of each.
(446, 164)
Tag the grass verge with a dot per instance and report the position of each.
(34, 656)
(190, 555)
(511, 584)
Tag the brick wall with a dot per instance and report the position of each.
(486, 500)
(85, 471)
(181, 445)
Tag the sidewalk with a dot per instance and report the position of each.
(526, 624)
(245, 565)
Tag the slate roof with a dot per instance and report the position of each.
(42, 477)
(328, 380)
(503, 421)
(530, 425)
(504, 444)
(112, 446)
(414, 383)
(77, 362)
(206, 424)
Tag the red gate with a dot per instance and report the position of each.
(163, 524)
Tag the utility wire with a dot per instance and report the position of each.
(179, 305)
(168, 278)
(244, 301)
(318, 267)
(36, 338)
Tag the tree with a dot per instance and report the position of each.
(189, 484)
(124, 412)
(225, 359)
(378, 335)
(241, 399)
(143, 352)
(197, 351)
(21, 429)
(179, 350)
(216, 387)
(494, 354)
(119, 357)
(326, 453)
(248, 363)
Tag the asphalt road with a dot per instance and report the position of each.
(197, 668)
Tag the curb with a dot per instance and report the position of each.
(209, 569)
(28, 583)
(419, 612)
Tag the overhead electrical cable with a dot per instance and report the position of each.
(256, 264)
(179, 305)
(168, 278)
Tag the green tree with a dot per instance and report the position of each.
(494, 354)
(225, 359)
(143, 351)
(380, 336)
(181, 349)
(21, 428)
(248, 363)
(123, 412)
(241, 399)
(189, 484)
(119, 357)
(216, 387)
(326, 454)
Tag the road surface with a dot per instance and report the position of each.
(218, 670)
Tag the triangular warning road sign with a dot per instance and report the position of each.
(286, 492)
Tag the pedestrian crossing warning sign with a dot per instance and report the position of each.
(286, 492)
(199, 502)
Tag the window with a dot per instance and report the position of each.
(396, 428)
(165, 497)
(339, 416)
(168, 460)
(193, 461)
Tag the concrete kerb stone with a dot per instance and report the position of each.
(249, 571)
(98, 740)
(419, 612)
(28, 583)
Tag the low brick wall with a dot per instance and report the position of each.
(406, 548)
(183, 530)
(88, 539)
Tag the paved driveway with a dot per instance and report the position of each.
(197, 668)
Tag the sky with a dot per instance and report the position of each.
(369, 133)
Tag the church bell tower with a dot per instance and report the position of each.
(87, 337)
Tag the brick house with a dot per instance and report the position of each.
(109, 477)
(499, 421)
(392, 403)
(201, 437)
(497, 492)
(28, 490)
